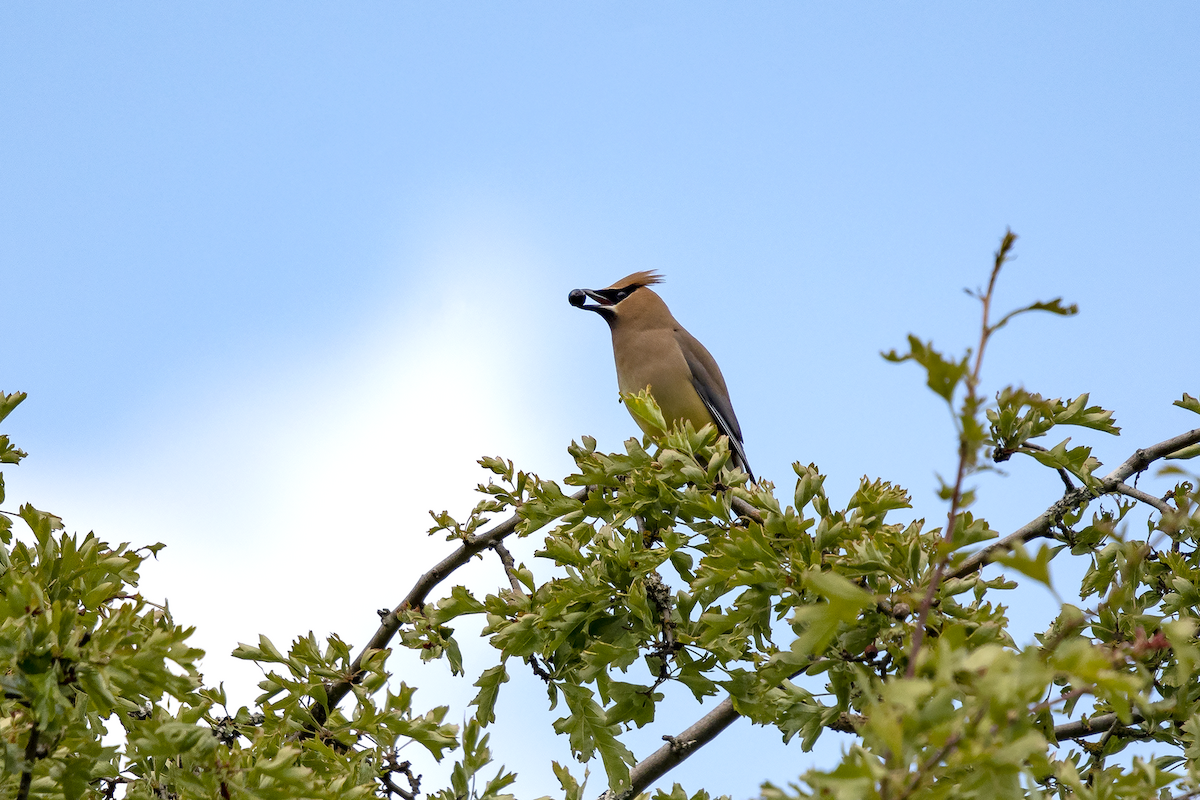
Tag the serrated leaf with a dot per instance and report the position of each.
(519, 638)
(942, 375)
(820, 621)
(646, 411)
(1188, 402)
(589, 732)
(489, 689)
(1077, 412)
(1036, 567)
(459, 602)
(1054, 306)
(10, 401)
(1076, 460)
(572, 788)
(430, 732)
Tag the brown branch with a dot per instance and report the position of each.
(31, 754)
(337, 690)
(510, 568)
(677, 749)
(1042, 525)
(1102, 723)
(538, 669)
(746, 510)
(393, 766)
(1148, 499)
(965, 453)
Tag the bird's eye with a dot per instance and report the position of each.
(621, 295)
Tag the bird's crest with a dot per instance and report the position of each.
(644, 278)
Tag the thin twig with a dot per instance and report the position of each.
(538, 669)
(1098, 753)
(393, 766)
(336, 690)
(1148, 499)
(1043, 524)
(935, 580)
(971, 403)
(510, 568)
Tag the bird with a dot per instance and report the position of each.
(652, 350)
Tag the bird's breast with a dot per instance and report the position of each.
(653, 359)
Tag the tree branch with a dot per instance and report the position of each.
(1042, 525)
(746, 510)
(1148, 499)
(31, 755)
(1102, 723)
(390, 623)
(510, 568)
(677, 749)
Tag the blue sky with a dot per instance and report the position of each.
(279, 273)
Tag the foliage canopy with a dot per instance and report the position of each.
(666, 565)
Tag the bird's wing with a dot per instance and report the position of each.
(710, 385)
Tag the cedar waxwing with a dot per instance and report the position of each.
(653, 350)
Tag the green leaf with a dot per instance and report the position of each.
(1054, 306)
(459, 602)
(430, 732)
(1036, 567)
(810, 484)
(10, 401)
(943, 375)
(572, 788)
(1077, 460)
(42, 523)
(8, 453)
(589, 731)
(1191, 451)
(646, 412)
(489, 689)
(171, 739)
(520, 638)
(1078, 412)
(820, 621)
(1188, 402)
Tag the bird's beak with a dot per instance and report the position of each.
(578, 298)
